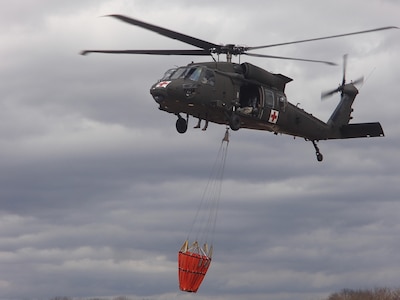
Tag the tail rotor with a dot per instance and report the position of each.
(325, 95)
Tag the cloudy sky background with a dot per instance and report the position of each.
(98, 190)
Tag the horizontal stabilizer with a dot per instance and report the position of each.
(361, 130)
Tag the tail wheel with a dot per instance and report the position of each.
(234, 122)
(320, 157)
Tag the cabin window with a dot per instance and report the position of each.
(282, 102)
(268, 98)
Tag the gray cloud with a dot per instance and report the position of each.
(98, 191)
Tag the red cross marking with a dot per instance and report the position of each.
(273, 117)
(163, 84)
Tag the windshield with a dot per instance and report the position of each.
(178, 73)
(168, 74)
(191, 73)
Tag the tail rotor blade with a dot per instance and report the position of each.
(325, 95)
(358, 81)
(344, 69)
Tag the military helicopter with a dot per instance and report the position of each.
(242, 95)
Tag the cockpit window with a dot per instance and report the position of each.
(209, 78)
(194, 74)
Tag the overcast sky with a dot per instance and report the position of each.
(98, 190)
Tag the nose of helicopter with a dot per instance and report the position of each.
(159, 91)
(175, 90)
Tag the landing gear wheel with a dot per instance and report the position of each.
(181, 125)
(234, 122)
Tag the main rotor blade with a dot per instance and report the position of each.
(291, 58)
(168, 33)
(322, 38)
(194, 52)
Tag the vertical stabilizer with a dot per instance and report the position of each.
(341, 115)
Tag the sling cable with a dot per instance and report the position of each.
(194, 259)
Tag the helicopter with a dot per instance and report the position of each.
(242, 95)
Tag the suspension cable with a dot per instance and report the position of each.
(206, 215)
